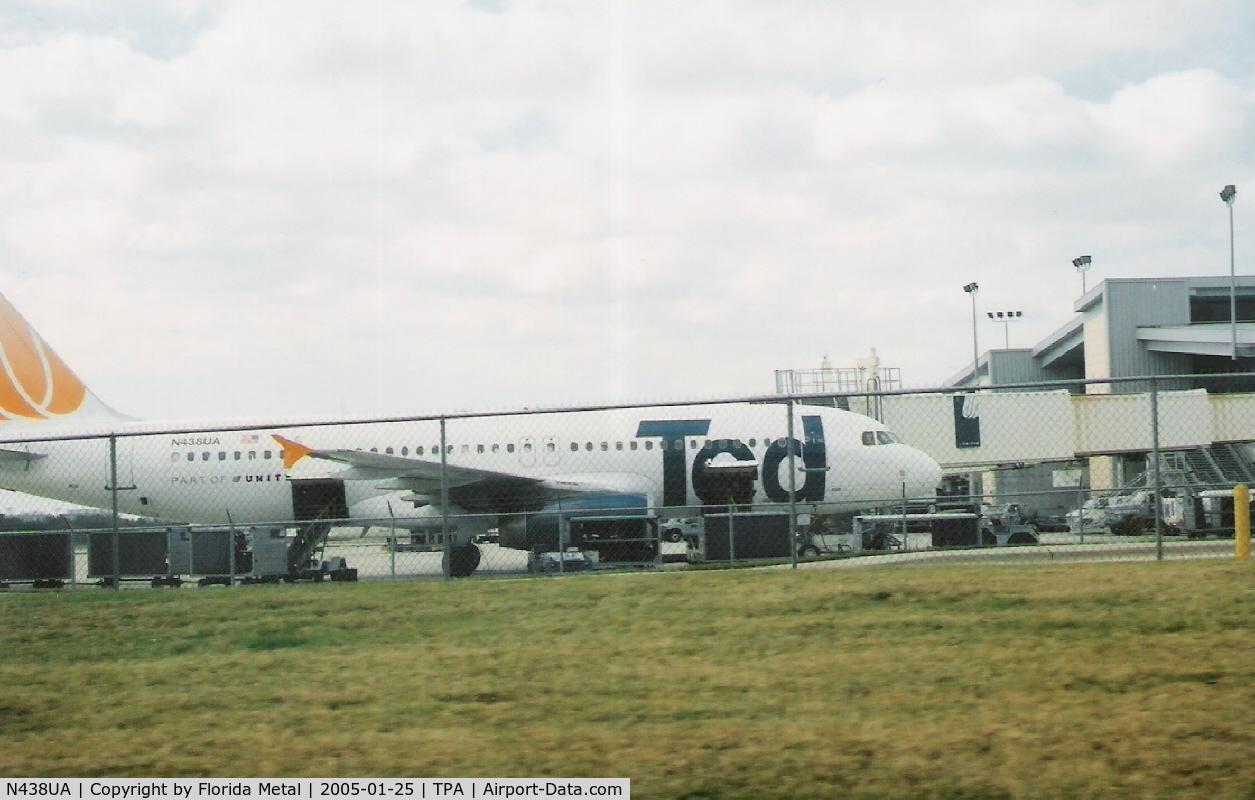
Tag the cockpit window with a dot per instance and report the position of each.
(880, 437)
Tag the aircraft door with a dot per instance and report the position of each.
(318, 499)
(551, 452)
(527, 451)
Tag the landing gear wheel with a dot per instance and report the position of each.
(462, 560)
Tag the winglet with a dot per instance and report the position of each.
(292, 451)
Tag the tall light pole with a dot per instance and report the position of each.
(972, 288)
(1005, 318)
(1227, 194)
(1082, 266)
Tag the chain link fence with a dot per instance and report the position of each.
(1085, 470)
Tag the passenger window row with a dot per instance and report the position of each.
(551, 447)
(208, 455)
(869, 438)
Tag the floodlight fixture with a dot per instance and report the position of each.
(1082, 266)
(1227, 194)
(971, 289)
(1005, 318)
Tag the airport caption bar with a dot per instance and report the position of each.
(314, 789)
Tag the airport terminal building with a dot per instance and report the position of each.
(1145, 365)
(1194, 332)
(1128, 327)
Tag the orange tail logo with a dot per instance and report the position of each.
(292, 451)
(34, 382)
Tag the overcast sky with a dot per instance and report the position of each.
(292, 207)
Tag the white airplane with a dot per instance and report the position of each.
(466, 474)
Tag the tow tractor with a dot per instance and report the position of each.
(914, 531)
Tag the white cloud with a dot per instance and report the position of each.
(405, 207)
(1178, 116)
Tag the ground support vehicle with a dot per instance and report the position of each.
(573, 541)
(1091, 517)
(170, 556)
(681, 529)
(881, 532)
(740, 536)
(572, 560)
(1181, 510)
(1008, 524)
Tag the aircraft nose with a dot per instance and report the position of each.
(923, 474)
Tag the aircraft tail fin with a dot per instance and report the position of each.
(35, 384)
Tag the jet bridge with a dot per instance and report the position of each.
(979, 429)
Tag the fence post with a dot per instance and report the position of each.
(563, 537)
(392, 543)
(792, 492)
(1242, 522)
(447, 561)
(1157, 497)
(114, 536)
(231, 579)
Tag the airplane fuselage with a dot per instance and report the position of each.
(678, 457)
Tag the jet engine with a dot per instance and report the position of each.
(619, 526)
(403, 511)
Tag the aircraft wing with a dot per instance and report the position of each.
(19, 456)
(471, 488)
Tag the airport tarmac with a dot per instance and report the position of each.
(1096, 549)
(374, 561)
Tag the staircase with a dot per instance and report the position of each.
(1233, 464)
(1215, 467)
(306, 546)
(1203, 469)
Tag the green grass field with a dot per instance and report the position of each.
(1126, 680)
